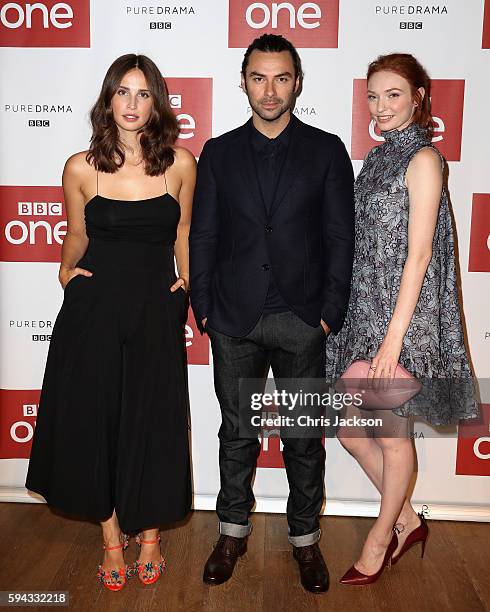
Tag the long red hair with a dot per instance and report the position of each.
(410, 69)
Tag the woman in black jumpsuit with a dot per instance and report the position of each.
(111, 440)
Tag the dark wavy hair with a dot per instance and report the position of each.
(157, 135)
(273, 43)
(411, 69)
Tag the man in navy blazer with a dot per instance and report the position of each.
(271, 250)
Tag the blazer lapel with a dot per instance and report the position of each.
(247, 167)
(289, 169)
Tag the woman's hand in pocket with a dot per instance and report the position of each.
(180, 283)
(66, 274)
(326, 328)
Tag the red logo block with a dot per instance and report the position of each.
(45, 24)
(447, 102)
(17, 422)
(271, 445)
(473, 454)
(305, 24)
(33, 223)
(486, 26)
(270, 451)
(479, 260)
(197, 345)
(192, 102)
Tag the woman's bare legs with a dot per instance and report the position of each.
(150, 552)
(114, 559)
(388, 460)
(111, 533)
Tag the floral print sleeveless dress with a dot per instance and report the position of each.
(433, 348)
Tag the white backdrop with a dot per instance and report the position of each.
(54, 57)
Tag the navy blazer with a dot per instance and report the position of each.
(306, 240)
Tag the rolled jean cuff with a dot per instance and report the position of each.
(305, 540)
(237, 531)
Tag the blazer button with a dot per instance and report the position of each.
(265, 267)
(268, 228)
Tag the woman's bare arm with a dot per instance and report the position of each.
(424, 182)
(76, 240)
(187, 168)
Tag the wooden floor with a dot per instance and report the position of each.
(44, 551)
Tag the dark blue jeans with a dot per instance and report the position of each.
(293, 349)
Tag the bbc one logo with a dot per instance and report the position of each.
(45, 24)
(17, 422)
(33, 223)
(473, 451)
(305, 24)
(479, 260)
(447, 102)
(191, 100)
(23, 431)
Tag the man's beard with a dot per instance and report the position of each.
(283, 107)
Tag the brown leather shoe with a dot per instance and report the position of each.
(312, 568)
(221, 563)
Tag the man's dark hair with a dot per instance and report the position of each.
(272, 43)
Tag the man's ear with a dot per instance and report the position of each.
(243, 84)
(296, 85)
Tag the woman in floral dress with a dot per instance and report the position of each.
(404, 302)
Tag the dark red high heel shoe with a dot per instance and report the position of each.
(357, 578)
(419, 534)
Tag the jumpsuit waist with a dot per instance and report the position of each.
(124, 254)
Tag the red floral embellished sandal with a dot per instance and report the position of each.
(115, 579)
(149, 572)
